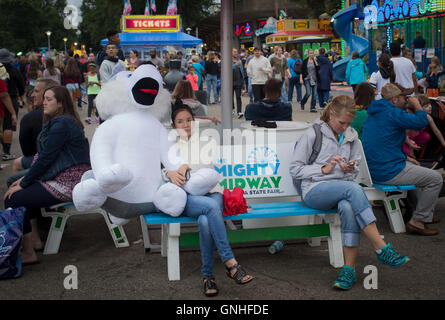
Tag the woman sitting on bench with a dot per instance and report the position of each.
(328, 182)
(207, 208)
(62, 157)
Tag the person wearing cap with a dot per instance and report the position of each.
(384, 132)
(259, 69)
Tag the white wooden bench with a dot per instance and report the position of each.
(60, 214)
(270, 217)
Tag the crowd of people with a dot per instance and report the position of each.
(386, 115)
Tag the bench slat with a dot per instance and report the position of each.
(258, 211)
(263, 234)
(392, 188)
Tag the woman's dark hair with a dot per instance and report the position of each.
(62, 95)
(179, 106)
(71, 70)
(364, 94)
(50, 67)
(136, 53)
(387, 64)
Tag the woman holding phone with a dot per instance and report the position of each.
(329, 183)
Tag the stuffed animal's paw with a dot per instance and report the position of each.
(170, 199)
(114, 178)
(87, 195)
(201, 182)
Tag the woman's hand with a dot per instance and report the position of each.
(176, 177)
(215, 120)
(12, 189)
(331, 165)
(412, 160)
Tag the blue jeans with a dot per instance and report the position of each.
(310, 91)
(212, 230)
(294, 82)
(212, 81)
(283, 91)
(323, 97)
(352, 204)
(249, 88)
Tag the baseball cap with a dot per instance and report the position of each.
(391, 90)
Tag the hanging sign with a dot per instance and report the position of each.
(150, 24)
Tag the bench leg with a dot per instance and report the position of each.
(55, 234)
(315, 241)
(334, 241)
(174, 230)
(145, 235)
(117, 232)
(164, 239)
(394, 214)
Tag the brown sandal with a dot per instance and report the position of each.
(239, 275)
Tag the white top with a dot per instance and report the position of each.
(404, 70)
(378, 81)
(259, 77)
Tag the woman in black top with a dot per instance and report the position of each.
(211, 69)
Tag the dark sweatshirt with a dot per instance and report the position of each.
(271, 110)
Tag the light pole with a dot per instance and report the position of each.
(65, 40)
(48, 33)
(188, 30)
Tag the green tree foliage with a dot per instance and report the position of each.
(25, 22)
(99, 16)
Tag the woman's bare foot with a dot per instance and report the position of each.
(29, 257)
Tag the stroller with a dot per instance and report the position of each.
(432, 155)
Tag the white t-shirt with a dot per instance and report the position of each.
(378, 81)
(404, 69)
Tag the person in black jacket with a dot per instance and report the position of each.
(211, 69)
(325, 76)
(310, 78)
(271, 108)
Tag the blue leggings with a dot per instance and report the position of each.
(32, 198)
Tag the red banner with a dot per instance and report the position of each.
(150, 23)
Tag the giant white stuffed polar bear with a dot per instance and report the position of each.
(128, 148)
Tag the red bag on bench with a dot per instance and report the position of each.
(234, 203)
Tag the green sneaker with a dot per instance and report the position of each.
(346, 279)
(391, 258)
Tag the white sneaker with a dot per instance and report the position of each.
(240, 115)
(118, 221)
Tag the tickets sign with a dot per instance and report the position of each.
(150, 24)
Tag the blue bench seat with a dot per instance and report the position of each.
(257, 211)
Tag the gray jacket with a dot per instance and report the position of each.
(311, 175)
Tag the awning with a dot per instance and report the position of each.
(291, 36)
(157, 39)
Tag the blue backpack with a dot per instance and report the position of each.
(11, 231)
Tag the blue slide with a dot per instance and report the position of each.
(342, 23)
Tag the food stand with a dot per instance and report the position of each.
(162, 33)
